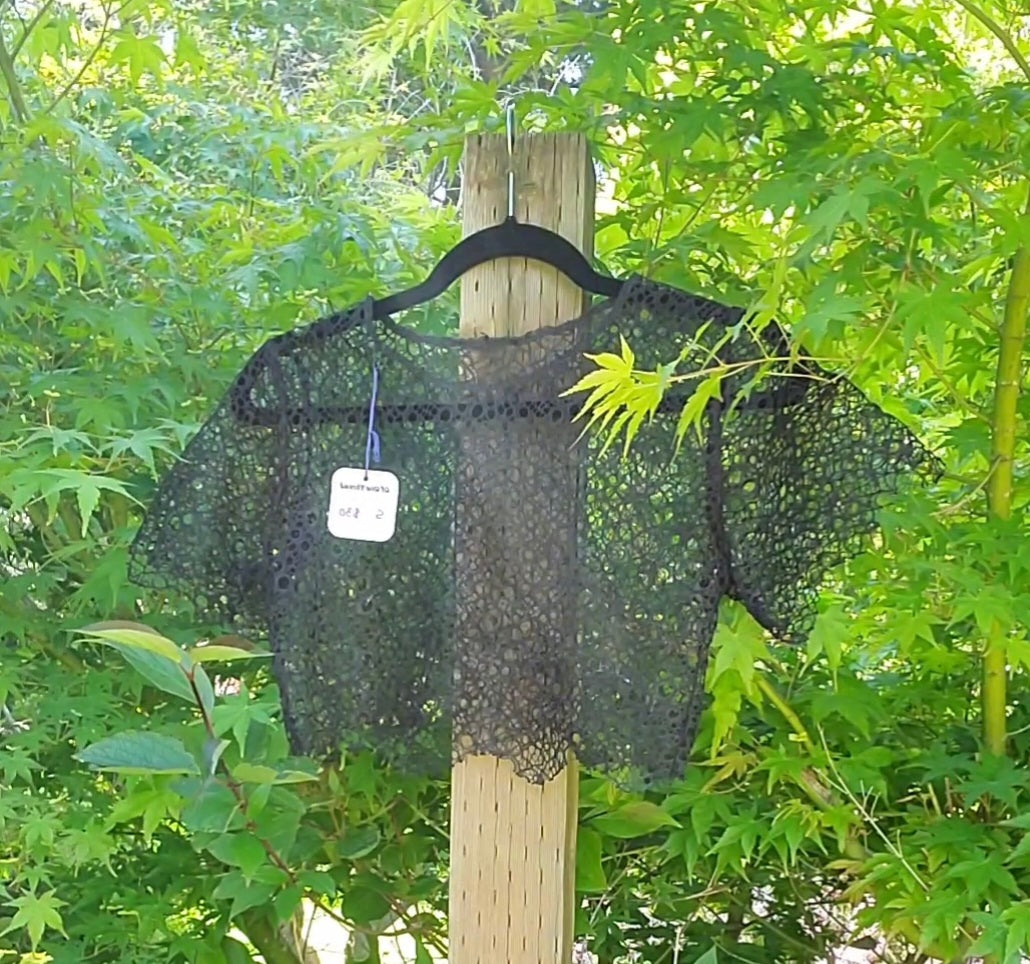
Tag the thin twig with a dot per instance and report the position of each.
(968, 497)
(86, 64)
(957, 397)
(999, 31)
(27, 28)
(21, 112)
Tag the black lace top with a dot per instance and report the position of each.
(538, 594)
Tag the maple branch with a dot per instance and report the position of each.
(266, 938)
(21, 112)
(809, 780)
(87, 63)
(999, 31)
(27, 28)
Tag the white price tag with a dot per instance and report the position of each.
(363, 505)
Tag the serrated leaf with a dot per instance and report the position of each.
(139, 752)
(36, 914)
(610, 361)
(695, 406)
(87, 498)
(628, 358)
(48, 484)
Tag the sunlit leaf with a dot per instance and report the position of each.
(135, 636)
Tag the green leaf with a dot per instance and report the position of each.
(709, 957)
(243, 893)
(215, 653)
(318, 882)
(364, 905)
(1021, 851)
(738, 643)
(695, 406)
(286, 902)
(204, 690)
(236, 714)
(294, 776)
(36, 914)
(539, 9)
(159, 671)
(634, 820)
(136, 636)
(87, 497)
(358, 842)
(245, 772)
(213, 808)
(830, 213)
(143, 54)
(139, 752)
(257, 799)
(153, 804)
(234, 951)
(49, 483)
(241, 850)
(590, 876)
(213, 750)
(828, 634)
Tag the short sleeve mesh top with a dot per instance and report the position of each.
(540, 593)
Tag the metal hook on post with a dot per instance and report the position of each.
(510, 131)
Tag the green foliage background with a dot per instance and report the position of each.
(180, 181)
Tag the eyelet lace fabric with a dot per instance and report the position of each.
(540, 594)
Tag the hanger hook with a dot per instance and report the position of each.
(510, 131)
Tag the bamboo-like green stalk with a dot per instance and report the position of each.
(21, 112)
(999, 489)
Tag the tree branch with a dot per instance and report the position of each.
(810, 781)
(266, 938)
(21, 112)
(87, 63)
(27, 28)
(999, 31)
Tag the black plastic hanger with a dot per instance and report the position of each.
(509, 239)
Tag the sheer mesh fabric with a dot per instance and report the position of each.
(540, 595)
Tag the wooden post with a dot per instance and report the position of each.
(513, 842)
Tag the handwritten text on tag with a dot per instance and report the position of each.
(363, 505)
